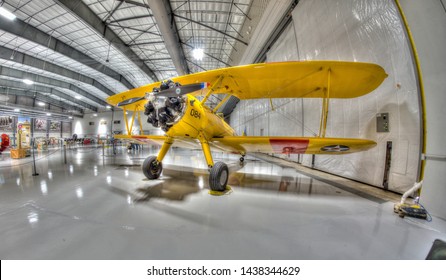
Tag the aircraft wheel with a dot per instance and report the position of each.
(152, 168)
(219, 177)
(242, 159)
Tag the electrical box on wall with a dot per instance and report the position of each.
(382, 122)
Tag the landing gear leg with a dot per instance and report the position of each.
(152, 166)
(219, 173)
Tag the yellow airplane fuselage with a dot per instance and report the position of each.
(199, 121)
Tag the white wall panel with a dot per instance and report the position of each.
(354, 30)
(427, 21)
(84, 129)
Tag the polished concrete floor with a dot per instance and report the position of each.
(100, 206)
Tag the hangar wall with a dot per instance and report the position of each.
(427, 21)
(348, 30)
(91, 126)
(49, 129)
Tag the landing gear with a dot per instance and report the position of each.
(219, 177)
(242, 159)
(152, 168)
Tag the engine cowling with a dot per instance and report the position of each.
(164, 112)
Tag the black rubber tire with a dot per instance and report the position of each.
(152, 168)
(242, 159)
(219, 176)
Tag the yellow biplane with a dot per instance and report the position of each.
(178, 107)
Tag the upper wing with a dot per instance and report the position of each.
(298, 79)
(291, 145)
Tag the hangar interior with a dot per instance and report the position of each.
(88, 199)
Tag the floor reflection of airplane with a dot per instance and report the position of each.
(180, 108)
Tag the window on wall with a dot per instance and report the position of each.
(116, 122)
(91, 123)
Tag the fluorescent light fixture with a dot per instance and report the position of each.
(95, 115)
(48, 114)
(70, 117)
(16, 110)
(40, 103)
(28, 82)
(198, 54)
(108, 107)
(7, 14)
(78, 97)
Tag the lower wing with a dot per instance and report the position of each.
(264, 144)
(159, 140)
(291, 145)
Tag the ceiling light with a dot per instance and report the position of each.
(7, 14)
(28, 82)
(48, 114)
(16, 110)
(198, 54)
(78, 97)
(40, 103)
(70, 117)
(95, 115)
(108, 107)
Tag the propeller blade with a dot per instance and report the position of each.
(130, 101)
(170, 92)
(181, 90)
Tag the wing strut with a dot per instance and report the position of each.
(126, 121)
(141, 132)
(325, 105)
(221, 103)
(219, 80)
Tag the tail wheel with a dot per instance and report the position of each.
(219, 177)
(152, 168)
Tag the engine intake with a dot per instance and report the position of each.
(164, 112)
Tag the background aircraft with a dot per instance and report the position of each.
(178, 107)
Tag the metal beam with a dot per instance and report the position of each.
(226, 29)
(190, 61)
(19, 74)
(21, 58)
(112, 12)
(135, 3)
(167, 26)
(41, 97)
(43, 89)
(88, 16)
(158, 59)
(28, 32)
(130, 18)
(283, 23)
(146, 43)
(212, 28)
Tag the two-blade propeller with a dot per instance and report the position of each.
(174, 91)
